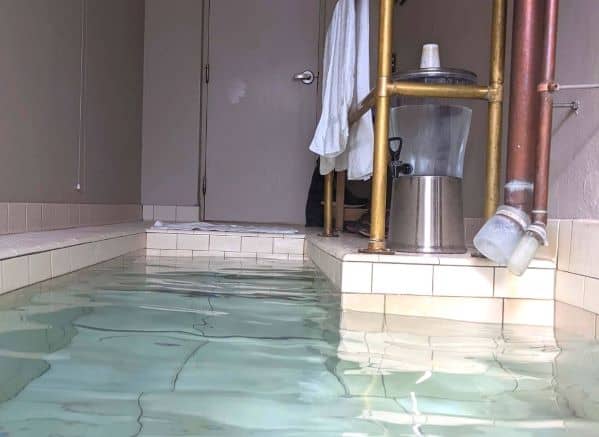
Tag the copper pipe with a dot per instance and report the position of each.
(419, 89)
(363, 107)
(546, 113)
(340, 201)
(524, 103)
(328, 205)
(497, 65)
(381, 131)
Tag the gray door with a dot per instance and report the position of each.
(259, 120)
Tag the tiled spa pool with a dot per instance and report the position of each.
(204, 347)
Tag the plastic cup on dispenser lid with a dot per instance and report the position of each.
(430, 56)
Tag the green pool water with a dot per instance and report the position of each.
(188, 347)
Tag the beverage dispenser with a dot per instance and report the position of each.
(428, 142)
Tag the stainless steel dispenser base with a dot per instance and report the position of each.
(426, 215)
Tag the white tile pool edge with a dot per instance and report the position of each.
(74, 254)
(570, 303)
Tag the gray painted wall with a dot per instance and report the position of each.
(40, 53)
(574, 183)
(171, 116)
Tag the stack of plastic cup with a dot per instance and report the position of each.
(430, 56)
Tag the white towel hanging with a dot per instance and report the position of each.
(346, 81)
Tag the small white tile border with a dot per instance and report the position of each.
(226, 245)
(18, 218)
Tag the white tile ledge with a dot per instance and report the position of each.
(17, 245)
(345, 248)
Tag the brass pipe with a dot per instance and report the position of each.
(363, 107)
(497, 65)
(419, 89)
(340, 201)
(381, 131)
(328, 230)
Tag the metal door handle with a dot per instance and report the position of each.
(307, 77)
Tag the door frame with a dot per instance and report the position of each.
(325, 6)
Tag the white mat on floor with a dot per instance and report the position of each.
(223, 227)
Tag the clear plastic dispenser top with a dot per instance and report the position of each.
(434, 137)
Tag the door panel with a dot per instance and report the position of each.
(259, 120)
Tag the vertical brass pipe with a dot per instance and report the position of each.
(381, 130)
(546, 88)
(497, 66)
(328, 230)
(527, 46)
(340, 201)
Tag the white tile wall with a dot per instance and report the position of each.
(31, 268)
(192, 241)
(33, 213)
(356, 277)
(483, 310)
(574, 320)
(187, 213)
(528, 312)
(225, 243)
(61, 262)
(171, 213)
(16, 218)
(165, 213)
(40, 267)
(463, 281)
(148, 213)
(162, 241)
(368, 303)
(257, 244)
(3, 218)
(534, 284)
(591, 295)
(289, 245)
(83, 255)
(584, 250)
(402, 279)
(569, 288)
(564, 240)
(15, 273)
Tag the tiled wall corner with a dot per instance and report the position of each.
(533, 284)
(571, 320)
(577, 280)
(584, 248)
